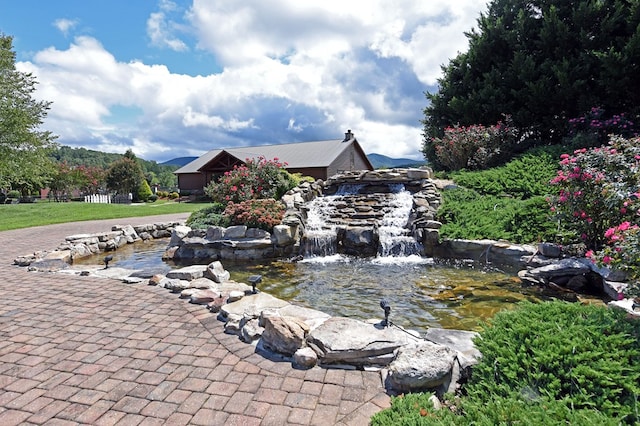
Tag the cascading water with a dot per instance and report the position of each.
(324, 218)
(322, 238)
(395, 239)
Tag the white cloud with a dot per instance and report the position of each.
(160, 34)
(65, 25)
(290, 69)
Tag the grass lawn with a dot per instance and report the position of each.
(16, 216)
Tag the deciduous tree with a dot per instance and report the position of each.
(24, 146)
(125, 176)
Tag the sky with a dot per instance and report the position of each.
(179, 78)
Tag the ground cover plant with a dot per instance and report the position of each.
(546, 363)
(209, 216)
(16, 216)
(506, 202)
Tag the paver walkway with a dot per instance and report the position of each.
(81, 350)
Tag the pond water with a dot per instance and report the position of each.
(422, 294)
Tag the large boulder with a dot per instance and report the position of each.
(176, 285)
(347, 341)
(235, 232)
(311, 317)
(359, 241)
(421, 366)
(48, 265)
(188, 273)
(203, 283)
(251, 305)
(284, 335)
(216, 272)
(284, 235)
(250, 330)
(203, 297)
(486, 251)
(460, 341)
(564, 267)
(177, 234)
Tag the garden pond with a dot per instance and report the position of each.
(421, 292)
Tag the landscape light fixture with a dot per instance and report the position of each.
(107, 260)
(387, 310)
(255, 280)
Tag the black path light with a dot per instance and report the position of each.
(107, 260)
(255, 280)
(384, 304)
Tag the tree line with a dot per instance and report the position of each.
(30, 158)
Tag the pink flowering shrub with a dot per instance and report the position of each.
(255, 179)
(258, 213)
(594, 127)
(474, 147)
(622, 252)
(598, 189)
(599, 200)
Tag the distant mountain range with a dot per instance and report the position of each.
(179, 161)
(378, 161)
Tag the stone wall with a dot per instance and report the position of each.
(237, 243)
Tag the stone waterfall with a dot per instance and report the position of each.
(357, 222)
(379, 213)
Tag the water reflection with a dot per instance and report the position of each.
(421, 293)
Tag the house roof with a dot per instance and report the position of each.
(296, 155)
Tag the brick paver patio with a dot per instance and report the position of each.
(81, 350)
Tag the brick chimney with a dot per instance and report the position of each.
(348, 136)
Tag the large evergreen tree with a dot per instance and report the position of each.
(24, 147)
(542, 62)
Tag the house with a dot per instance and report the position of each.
(319, 159)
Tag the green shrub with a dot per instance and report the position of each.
(507, 202)
(469, 215)
(13, 194)
(144, 191)
(552, 363)
(153, 198)
(173, 195)
(263, 213)
(532, 222)
(523, 177)
(415, 409)
(586, 356)
(210, 216)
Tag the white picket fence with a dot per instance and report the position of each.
(97, 198)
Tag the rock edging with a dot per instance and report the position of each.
(84, 245)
